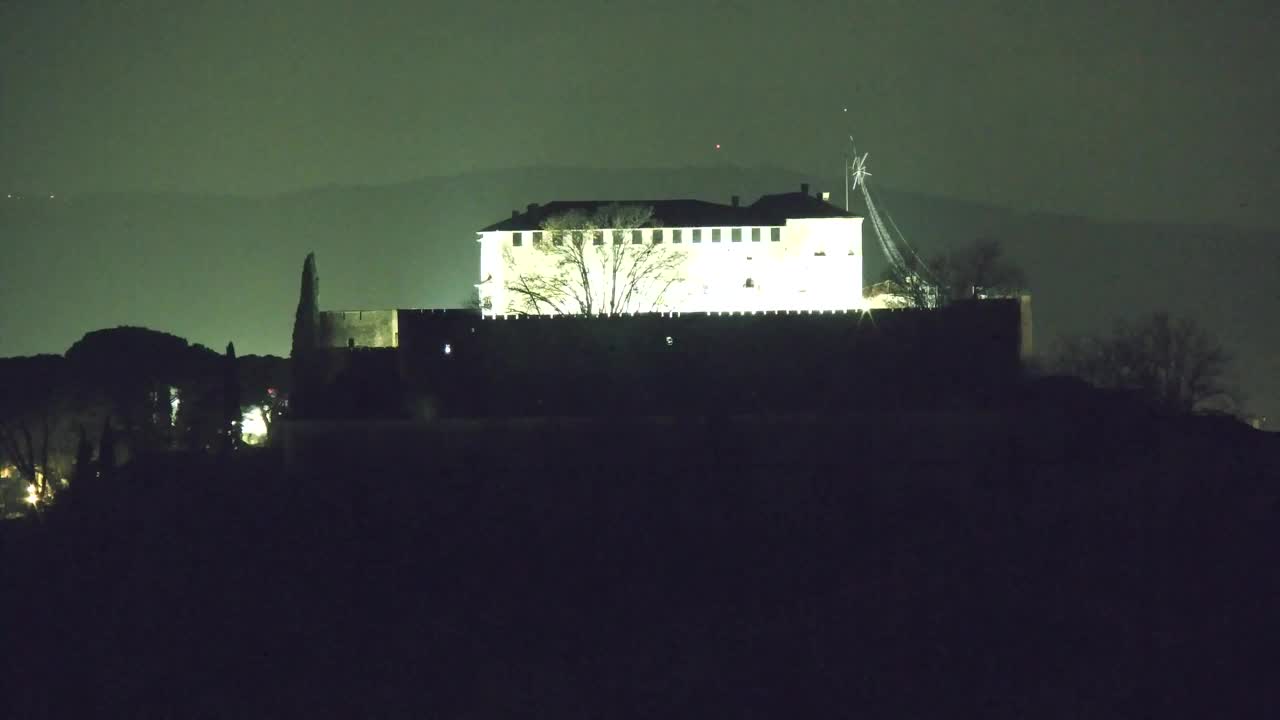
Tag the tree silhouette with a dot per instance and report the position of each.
(306, 320)
(32, 410)
(306, 326)
(83, 471)
(306, 338)
(230, 430)
(107, 449)
(133, 368)
(977, 270)
(1175, 363)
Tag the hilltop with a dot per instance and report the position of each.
(411, 245)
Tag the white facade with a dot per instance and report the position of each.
(804, 264)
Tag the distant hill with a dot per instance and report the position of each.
(215, 268)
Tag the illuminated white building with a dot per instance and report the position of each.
(790, 251)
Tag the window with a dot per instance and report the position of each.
(715, 234)
(577, 238)
(597, 237)
(736, 234)
(755, 234)
(775, 234)
(537, 238)
(617, 237)
(637, 237)
(820, 253)
(749, 283)
(697, 235)
(557, 238)
(657, 236)
(517, 239)
(675, 236)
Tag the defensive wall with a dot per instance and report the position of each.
(359, 328)
(456, 363)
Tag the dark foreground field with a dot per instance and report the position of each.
(858, 578)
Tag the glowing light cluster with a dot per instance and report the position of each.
(253, 426)
(174, 402)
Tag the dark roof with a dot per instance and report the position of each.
(777, 209)
(768, 210)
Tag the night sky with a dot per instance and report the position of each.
(1160, 113)
(1143, 109)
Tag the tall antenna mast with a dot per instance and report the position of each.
(856, 175)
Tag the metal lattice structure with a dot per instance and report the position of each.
(902, 259)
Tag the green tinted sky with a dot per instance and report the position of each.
(1141, 109)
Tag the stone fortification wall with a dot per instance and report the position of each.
(359, 328)
(655, 364)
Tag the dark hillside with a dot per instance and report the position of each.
(855, 575)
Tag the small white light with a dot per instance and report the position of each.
(670, 341)
(448, 349)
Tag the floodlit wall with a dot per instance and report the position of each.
(815, 264)
(359, 328)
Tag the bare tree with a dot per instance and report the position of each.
(977, 270)
(981, 270)
(908, 288)
(589, 264)
(37, 412)
(26, 439)
(1174, 362)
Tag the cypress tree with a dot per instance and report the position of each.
(307, 317)
(84, 460)
(82, 480)
(107, 449)
(230, 399)
(306, 324)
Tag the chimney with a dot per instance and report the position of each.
(735, 201)
(804, 188)
(515, 213)
(531, 207)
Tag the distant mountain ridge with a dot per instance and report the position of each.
(219, 268)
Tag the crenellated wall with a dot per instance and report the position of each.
(359, 328)
(456, 362)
